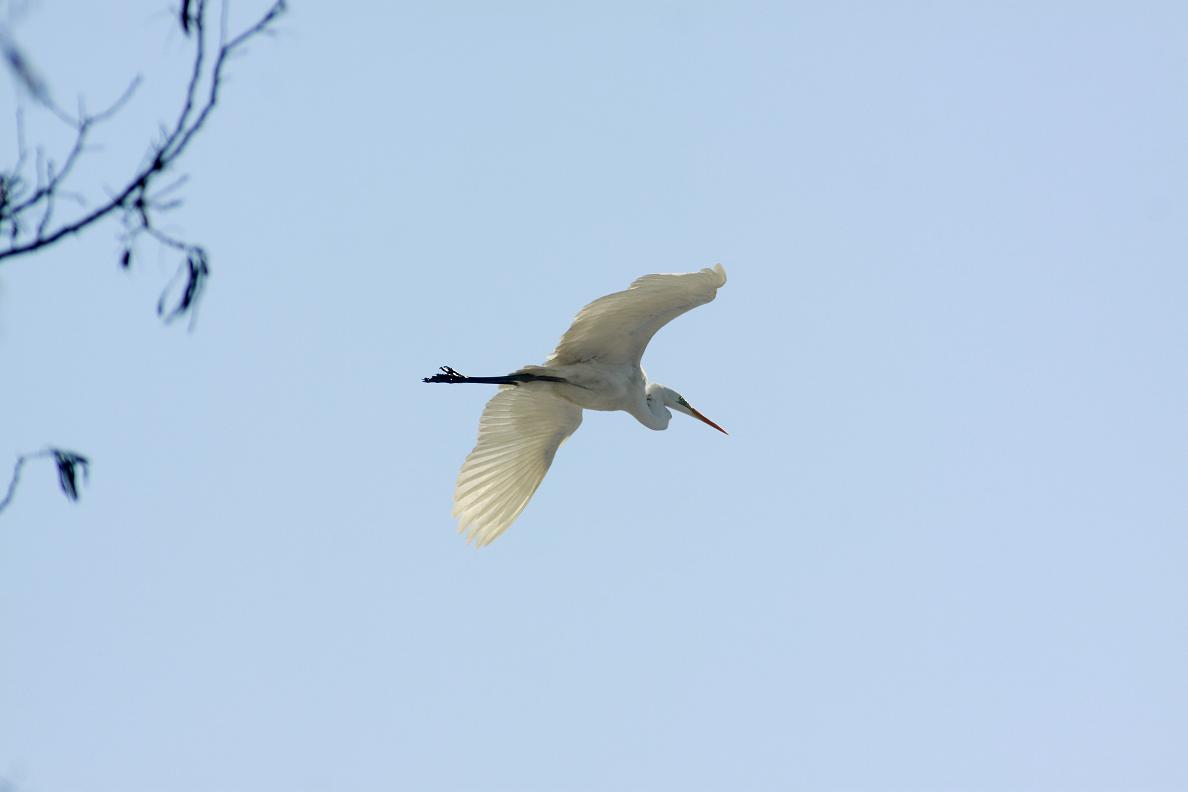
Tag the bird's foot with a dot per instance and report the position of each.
(447, 375)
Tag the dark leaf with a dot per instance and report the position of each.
(70, 465)
(197, 271)
(24, 72)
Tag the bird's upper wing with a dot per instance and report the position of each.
(617, 327)
(521, 429)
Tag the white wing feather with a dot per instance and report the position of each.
(616, 328)
(520, 431)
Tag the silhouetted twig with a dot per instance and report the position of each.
(31, 191)
(71, 467)
(29, 202)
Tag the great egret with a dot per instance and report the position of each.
(594, 367)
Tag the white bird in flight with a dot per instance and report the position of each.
(594, 367)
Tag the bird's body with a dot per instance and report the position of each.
(593, 385)
(596, 366)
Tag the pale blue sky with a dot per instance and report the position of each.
(944, 547)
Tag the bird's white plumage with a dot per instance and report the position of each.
(595, 366)
(520, 431)
(616, 328)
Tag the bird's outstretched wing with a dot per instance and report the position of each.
(521, 429)
(617, 327)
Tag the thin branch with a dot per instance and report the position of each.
(226, 49)
(16, 477)
(71, 467)
(22, 150)
(84, 126)
(26, 237)
(49, 199)
(27, 222)
(174, 144)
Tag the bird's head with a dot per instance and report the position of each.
(670, 398)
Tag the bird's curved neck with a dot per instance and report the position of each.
(652, 412)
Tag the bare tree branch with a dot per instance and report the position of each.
(70, 467)
(27, 220)
(32, 189)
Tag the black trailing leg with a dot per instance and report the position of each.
(453, 377)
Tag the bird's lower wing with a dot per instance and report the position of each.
(616, 328)
(520, 431)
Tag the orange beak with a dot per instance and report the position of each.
(703, 419)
